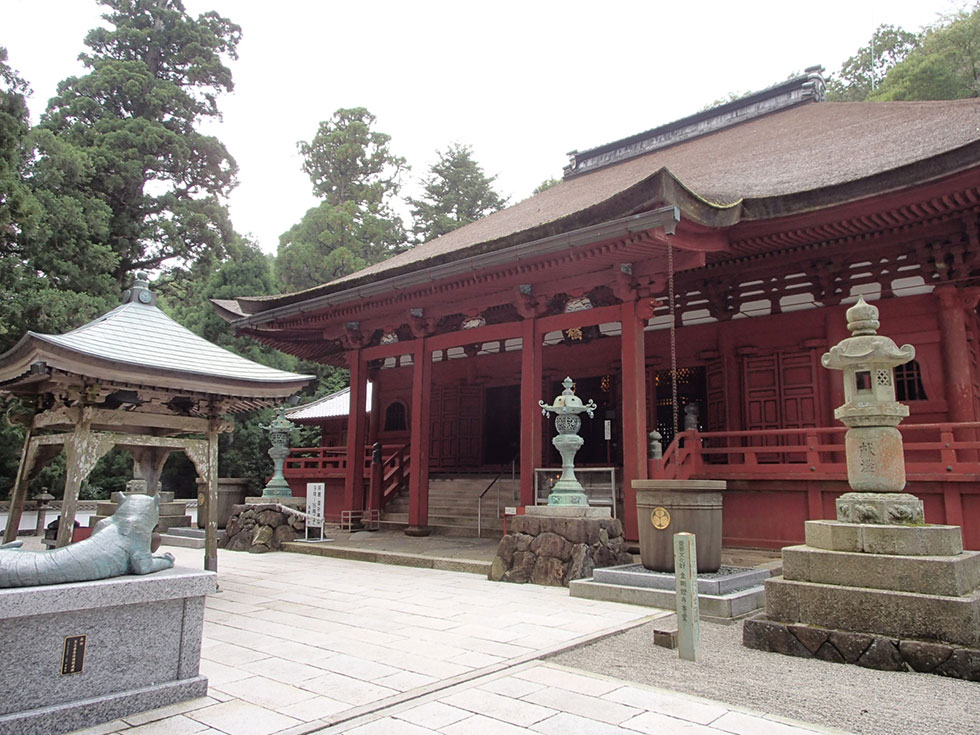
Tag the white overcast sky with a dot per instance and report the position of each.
(522, 83)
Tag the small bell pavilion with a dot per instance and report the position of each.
(134, 379)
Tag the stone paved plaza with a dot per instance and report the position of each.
(299, 644)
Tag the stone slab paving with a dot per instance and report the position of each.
(541, 697)
(295, 644)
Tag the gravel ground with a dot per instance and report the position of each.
(849, 698)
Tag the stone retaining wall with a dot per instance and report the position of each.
(554, 551)
(259, 528)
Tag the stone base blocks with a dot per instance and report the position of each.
(732, 593)
(882, 596)
(142, 649)
(258, 528)
(556, 549)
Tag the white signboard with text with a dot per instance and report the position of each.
(314, 504)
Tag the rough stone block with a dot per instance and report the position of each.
(850, 645)
(552, 545)
(497, 568)
(767, 635)
(523, 565)
(883, 655)
(882, 612)
(924, 657)
(827, 652)
(506, 548)
(811, 638)
(962, 664)
(933, 575)
(548, 571)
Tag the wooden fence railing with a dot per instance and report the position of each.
(933, 452)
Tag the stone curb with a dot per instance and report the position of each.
(446, 564)
(863, 649)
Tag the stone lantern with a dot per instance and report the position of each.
(567, 407)
(280, 430)
(875, 457)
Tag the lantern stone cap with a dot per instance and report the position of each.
(866, 347)
(568, 402)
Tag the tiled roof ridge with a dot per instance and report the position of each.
(807, 87)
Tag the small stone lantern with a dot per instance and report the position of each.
(875, 456)
(43, 500)
(567, 407)
(280, 430)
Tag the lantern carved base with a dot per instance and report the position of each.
(880, 508)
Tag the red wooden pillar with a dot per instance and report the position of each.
(531, 359)
(633, 356)
(356, 433)
(956, 354)
(418, 476)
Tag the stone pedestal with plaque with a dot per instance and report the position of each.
(76, 655)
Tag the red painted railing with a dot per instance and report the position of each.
(331, 462)
(933, 452)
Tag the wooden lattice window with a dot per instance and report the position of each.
(908, 382)
(396, 417)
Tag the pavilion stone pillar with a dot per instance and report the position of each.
(531, 376)
(356, 432)
(633, 357)
(953, 303)
(418, 484)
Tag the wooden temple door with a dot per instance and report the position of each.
(456, 427)
(780, 393)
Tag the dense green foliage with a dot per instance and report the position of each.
(153, 76)
(864, 72)
(941, 62)
(353, 169)
(455, 193)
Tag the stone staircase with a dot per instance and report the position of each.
(454, 502)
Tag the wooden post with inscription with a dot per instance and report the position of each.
(686, 580)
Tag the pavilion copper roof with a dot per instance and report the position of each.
(803, 158)
(137, 343)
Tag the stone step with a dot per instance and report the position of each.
(929, 575)
(187, 542)
(188, 532)
(471, 566)
(166, 509)
(165, 523)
